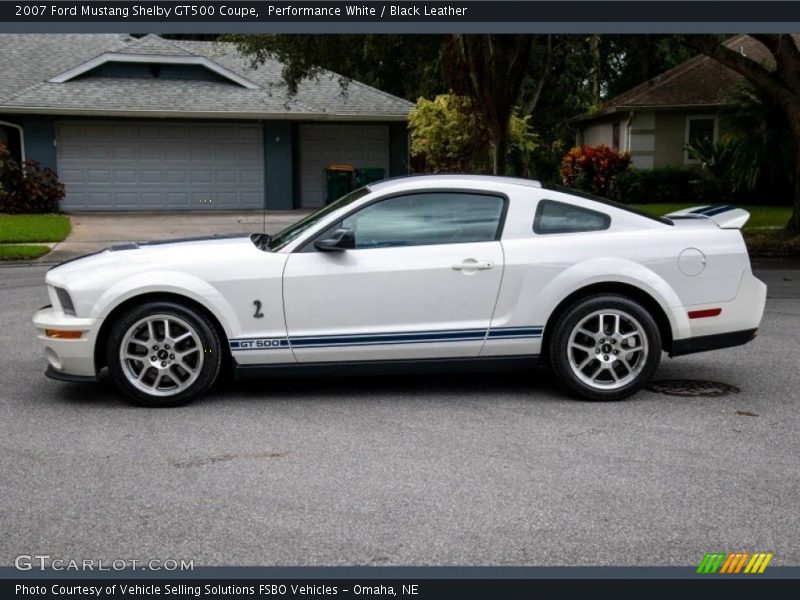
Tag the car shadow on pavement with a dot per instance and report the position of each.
(522, 384)
(102, 392)
(534, 385)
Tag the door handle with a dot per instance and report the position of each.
(470, 264)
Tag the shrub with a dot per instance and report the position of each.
(27, 187)
(543, 163)
(739, 170)
(656, 186)
(8, 171)
(593, 168)
(448, 135)
(671, 185)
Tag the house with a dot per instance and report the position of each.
(655, 120)
(157, 124)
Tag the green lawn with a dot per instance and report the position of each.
(33, 228)
(22, 251)
(762, 218)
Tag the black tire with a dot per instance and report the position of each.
(559, 349)
(204, 376)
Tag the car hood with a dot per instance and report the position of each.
(207, 256)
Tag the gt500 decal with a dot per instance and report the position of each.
(259, 344)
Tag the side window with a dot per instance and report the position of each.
(427, 218)
(560, 217)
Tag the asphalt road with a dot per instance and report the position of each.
(459, 470)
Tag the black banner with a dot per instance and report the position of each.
(433, 11)
(482, 589)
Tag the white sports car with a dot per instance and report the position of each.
(428, 272)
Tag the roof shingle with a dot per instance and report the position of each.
(28, 62)
(698, 82)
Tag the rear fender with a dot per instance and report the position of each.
(616, 270)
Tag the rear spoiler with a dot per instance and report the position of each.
(725, 216)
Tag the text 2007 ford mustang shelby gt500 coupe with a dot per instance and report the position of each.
(440, 271)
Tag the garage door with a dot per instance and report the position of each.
(321, 145)
(153, 165)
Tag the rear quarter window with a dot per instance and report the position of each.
(560, 217)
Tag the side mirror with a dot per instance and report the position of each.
(341, 239)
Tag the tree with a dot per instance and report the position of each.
(447, 133)
(404, 65)
(490, 70)
(780, 81)
(756, 152)
(762, 152)
(628, 60)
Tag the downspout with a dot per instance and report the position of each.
(628, 122)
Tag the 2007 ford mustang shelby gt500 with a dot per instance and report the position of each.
(440, 271)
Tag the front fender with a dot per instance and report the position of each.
(173, 282)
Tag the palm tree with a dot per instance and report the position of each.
(762, 150)
(756, 152)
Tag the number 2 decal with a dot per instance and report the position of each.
(258, 314)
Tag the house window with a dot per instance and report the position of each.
(698, 129)
(615, 136)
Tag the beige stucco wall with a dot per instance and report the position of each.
(671, 135)
(601, 132)
(654, 138)
(642, 130)
(597, 134)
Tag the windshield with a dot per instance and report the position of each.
(279, 240)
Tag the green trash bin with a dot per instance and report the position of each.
(339, 181)
(368, 175)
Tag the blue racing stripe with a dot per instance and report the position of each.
(400, 335)
(717, 211)
(401, 338)
(710, 211)
(380, 339)
(506, 332)
(386, 343)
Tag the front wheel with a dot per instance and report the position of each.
(605, 347)
(163, 354)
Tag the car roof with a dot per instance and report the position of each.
(442, 180)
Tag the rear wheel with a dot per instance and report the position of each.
(605, 347)
(163, 354)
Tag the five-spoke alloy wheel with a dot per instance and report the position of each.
(163, 354)
(605, 347)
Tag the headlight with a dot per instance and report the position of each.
(65, 301)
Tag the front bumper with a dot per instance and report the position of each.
(68, 358)
(59, 376)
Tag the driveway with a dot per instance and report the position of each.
(92, 232)
(439, 470)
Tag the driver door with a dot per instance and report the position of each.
(420, 282)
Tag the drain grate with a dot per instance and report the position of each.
(692, 388)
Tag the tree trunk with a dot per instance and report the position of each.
(793, 226)
(594, 47)
(781, 84)
(499, 149)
